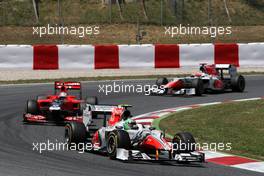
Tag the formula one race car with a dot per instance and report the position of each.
(58, 108)
(124, 139)
(211, 78)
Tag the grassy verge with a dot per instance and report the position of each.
(240, 123)
(126, 34)
(242, 12)
(17, 19)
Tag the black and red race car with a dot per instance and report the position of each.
(60, 107)
(211, 78)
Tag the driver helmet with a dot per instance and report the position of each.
(126, 114)
(129, 124)
(202, 69)
(62, 95)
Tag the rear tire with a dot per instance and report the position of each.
(75, 133)
(117, 139)
(32, 107)
(183, 142)
(162, 81)
(238, 83)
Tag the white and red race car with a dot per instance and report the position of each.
(211, 78)
(122, 138)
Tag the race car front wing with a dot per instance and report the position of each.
(123, 154)
(29, 118)
(183, 91)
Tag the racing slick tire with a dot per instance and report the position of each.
(198, 85)
(91, 100)
(238, 83)
(161, 81)
(32, 107)
(75, 133)
(117, 139)
(183, 142)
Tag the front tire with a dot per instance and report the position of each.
(117, 139)
(183, 142)
(32, 107)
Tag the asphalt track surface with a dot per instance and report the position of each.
(18, 158)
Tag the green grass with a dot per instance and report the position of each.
(241, 123)
(20, 13)
(126, 34)
(17, 19)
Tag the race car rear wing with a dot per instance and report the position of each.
(64, 86)
(222, 66)
(67, 85)
(104, 109)
(91, 110)
(101, 109)
(232, 70)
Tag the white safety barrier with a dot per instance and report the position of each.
(45, 57)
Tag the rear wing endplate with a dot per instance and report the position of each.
(67, 85)
(223, 66)
(231, 68)
(96, 109)
(101, 109)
